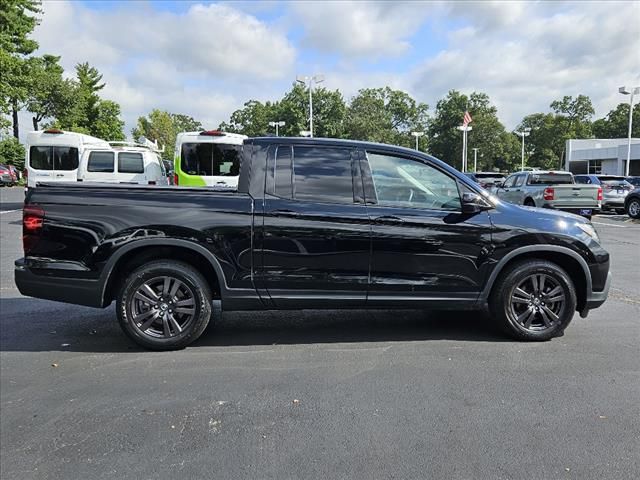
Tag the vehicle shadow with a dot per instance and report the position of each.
(30, 325)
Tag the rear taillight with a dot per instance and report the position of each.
(599, 193)
(175, 179)
(549, 193)
(32, 221)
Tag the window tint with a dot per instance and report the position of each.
(323, 174)
(519, 181)
(53, 158)
(282, 175)
(550, 179)
(40, 158)
(210, 159)
(100, 162)
(400, 182)
(130, 162)
(65, 158)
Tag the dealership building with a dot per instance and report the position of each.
(602, 156)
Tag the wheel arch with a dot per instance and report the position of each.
(564, 257)
(139, 252)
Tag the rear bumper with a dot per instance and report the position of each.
(79, 291)
(595, 299)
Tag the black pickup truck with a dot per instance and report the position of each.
(314, 223)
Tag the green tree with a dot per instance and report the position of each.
(50, 95)
(616, 123)
(545, 145)
(497, 148)
(18, 18)
(163, 127)
(385, 115)
(12, 153)
(107, 124)
(252, 119)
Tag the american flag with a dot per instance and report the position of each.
(467, 119)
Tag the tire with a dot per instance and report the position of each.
(512, 306)
(178, 313)
(529, 203)
(633, 208)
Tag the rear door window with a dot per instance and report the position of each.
(40, 158)
(129, 162)
(100, 162)
(322, 174)
(53, 158)
(210, 159)
(519, 181)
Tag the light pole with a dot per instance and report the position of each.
(464, 129)
(417, 135)
(632, 91)
(310, 81)
(523, 133)
(475, 159)
(280, 123)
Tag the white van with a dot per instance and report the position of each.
(210, 158)
(123, 162)
(53, 155)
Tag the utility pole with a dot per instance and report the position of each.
(417, 135)
(632, 91)
(280, 123)
(475, 159)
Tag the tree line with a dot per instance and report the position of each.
(38, 84)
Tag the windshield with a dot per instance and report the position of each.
(550, 179)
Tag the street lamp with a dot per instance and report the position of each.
(523, 133)
(417, 135)
(464, 129)
(310, 81)
(633, 91)
(475, 159)
(280, 123)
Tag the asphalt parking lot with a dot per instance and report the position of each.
(358, 394)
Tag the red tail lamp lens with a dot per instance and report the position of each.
(599, 193)
(549, 193)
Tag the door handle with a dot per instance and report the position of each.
(388, 219)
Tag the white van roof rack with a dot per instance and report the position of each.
(153, 146)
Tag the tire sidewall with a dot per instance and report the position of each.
(516, 276)
(185, 274)
(637, 202)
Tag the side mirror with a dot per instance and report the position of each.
(473, 203)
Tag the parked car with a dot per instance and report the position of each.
(314, 223)
(6, 178)
(489, 180)
(632, 204)
(53, 155)
(550, 189)
(123, 162)
(615, 188)
(208, 158)
(635, 181)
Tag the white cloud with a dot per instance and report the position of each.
(360, 28)
(202, 62)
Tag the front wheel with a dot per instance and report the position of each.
(533, 300)
(633, 208)
(164, 305)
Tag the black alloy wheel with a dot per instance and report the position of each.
(164, 305)
(533, 300)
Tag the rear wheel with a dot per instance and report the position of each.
(533, 300)
(164, 305)
(633, 208)
(529, 202)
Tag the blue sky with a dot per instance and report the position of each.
(206, 59)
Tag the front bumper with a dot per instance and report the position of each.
(79, 291)
(596, 299)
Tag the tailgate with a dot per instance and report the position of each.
(576, 196)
